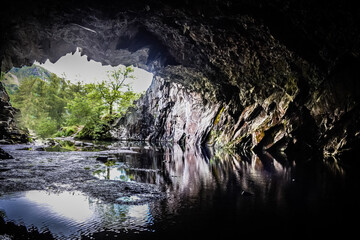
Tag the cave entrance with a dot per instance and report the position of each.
(76, 67)
(74, 96)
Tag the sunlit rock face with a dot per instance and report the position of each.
(169, 113)
(266, 76)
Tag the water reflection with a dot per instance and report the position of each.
(66, 204)
(205, 189)
(114, 173)
(213, 181)
(196, 169)
(68, 215)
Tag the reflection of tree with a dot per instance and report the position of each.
(99, 173)
(115, 173)
(108, 214)
(119, 216)
(201, 172)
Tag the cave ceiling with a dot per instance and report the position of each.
(153, 34)
(219, 48)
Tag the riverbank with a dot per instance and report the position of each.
(32, 168)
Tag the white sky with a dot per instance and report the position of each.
(75, 67)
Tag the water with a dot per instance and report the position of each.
(68, 215)
(208, 195)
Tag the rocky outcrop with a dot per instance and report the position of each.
(265, 97)
(274, 75)
(168, 112)
(9, 132)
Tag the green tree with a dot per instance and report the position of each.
(95, 105)
(111, 90)
(50, 105)
(42, 104)
(84, 107)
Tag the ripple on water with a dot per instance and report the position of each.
(68, 215)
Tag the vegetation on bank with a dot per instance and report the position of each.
(55, 107)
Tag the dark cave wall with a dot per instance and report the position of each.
(270, 75)
(9, 132)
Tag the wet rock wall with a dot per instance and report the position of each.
(9, 132)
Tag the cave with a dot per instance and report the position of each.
(265, 72)
(278, 78)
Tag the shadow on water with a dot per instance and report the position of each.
(209, 194)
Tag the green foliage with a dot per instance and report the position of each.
(2, 76)
(82, 109)
(49, 105)
(42, 104)
(68, 145)
(95, 129)
(110, 91)
(103, 98)
(45, 127)
(110, 163)
(66, 131)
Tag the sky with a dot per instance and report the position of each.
(75, 67)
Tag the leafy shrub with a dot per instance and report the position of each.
(66, 131)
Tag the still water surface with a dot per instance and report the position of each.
(68, 215)
(207, 194)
